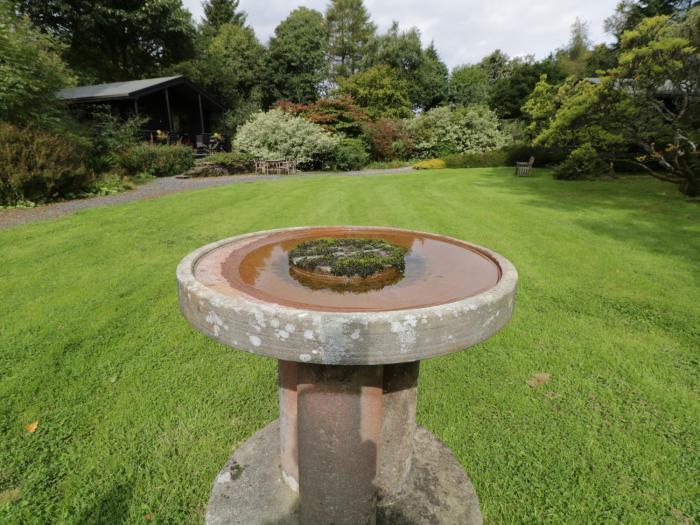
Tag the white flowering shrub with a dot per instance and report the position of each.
(279, 135)
(447, 130)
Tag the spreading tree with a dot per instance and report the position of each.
(630, 13)
(108, 41)
(296, 65)
(646, 110)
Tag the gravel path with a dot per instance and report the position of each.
(152, 189)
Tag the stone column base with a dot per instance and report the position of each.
(249, 490)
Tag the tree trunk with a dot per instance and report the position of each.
(690, 171)
(690, 185)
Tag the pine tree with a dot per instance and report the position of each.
(220, 12)
(349, 29)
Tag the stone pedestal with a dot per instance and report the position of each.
(348, 429)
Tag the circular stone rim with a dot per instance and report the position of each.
(344, 337)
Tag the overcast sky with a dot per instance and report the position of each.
(463, 30)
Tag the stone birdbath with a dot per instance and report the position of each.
(346, 448)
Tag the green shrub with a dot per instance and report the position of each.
(388, 140)
(543, 156)
(447, 130)
(490, 159)
(279, 135)
(109, 183)
(155, 159)
(234, 162)
(432, 164)
(583, 163)
(505, 157)
(40, 166)
(351, 155)
(108, 136)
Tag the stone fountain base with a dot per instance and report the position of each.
(250, 490)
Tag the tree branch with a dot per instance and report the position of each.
(667, 178)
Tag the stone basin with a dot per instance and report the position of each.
(454, 295)
(348, 374)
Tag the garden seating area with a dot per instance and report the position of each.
(275, 167)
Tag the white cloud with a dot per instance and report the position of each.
(463, 31)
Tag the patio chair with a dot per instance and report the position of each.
(524, 169)
(259, 164)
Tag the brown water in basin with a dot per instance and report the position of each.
(437, 271)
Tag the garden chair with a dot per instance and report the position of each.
(259, 164)
(524, 169)
(290, 166)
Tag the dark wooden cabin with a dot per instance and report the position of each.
(174, 105)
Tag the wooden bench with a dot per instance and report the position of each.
(524, 169)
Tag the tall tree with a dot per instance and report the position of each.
(469, 85)
(422, 69)
(220, 12)
(573, 59)
(509, 93)
(380, 90)
(231, 68)
(296, 64)
(349, 29)
(401, 50)
(107, 40)
(432, 82)
(496, 65)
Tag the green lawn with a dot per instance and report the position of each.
(137, 412)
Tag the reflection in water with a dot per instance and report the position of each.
(437, 271)
(357, 285)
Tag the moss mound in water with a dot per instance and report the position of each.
(348, 257)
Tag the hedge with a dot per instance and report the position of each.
(155, 159)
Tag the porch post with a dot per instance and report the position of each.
(201, 112)
(170, 117)
(136, 107)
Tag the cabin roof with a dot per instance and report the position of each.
(131, 89)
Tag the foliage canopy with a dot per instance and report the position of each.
(31, 72)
